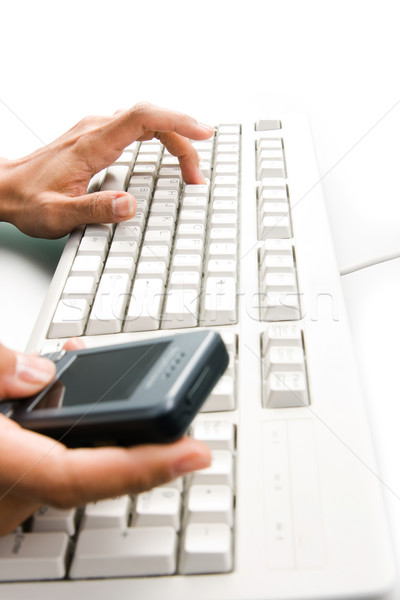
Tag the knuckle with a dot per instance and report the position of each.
(153, 478)
(94, 206)
(87, 123)
(141, 109)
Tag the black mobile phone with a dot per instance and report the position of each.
(141, 392)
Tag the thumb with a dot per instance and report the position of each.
(104, 207)
(23, 374)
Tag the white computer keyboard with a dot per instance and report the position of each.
(291, 507)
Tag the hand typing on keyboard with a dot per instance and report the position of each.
(45, 193)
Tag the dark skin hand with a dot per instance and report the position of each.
(44, 195)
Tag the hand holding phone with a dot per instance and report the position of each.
(136, 393)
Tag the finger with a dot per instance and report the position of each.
(74, 344)
(143, 118)
(43, 471)
(187, 155)
(86, 475)
(99, 207)
(23, 374)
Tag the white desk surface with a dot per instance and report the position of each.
(336, 61)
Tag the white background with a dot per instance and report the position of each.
(338, 62)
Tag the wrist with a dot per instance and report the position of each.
(8, 190)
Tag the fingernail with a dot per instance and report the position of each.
(200, 176)
(187, 464)
(209, 128)
(122, 206)
(34, 369)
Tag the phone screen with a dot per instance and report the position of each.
(102, 377)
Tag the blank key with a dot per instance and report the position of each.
(210, 504)
(220, 472)
(158, 507)
(207, 548)
(124, 552)
(107, 513)
(25, 556)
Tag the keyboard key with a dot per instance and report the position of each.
(206, 548)
(164, 209)
(170, 173)
(120, 264)
(47, 518)
(80, 287)
(283, 334)
(196, 190)
(217, 434)
(145, 169)
(156, 236)
(158, 507)
(194, 215)
(229, 129)
(221, 267)
(276, 263)
(189, 246)
(155, 252)
(268, 144)
(267, 125)
(209, 504)
(148, 269)
(109, 305)
(195, 202)
(87, 266)
(124, 552)
(181, 309)
(116, 178)
(166, 195)
(222, 396)
(33, 556)
(69, 318)
(147, 159)
(93, 245)
(171, 184)
(225, 193)
(286, 389)
(161, 223)
(126, 158)
(221, 250)
(280, 282)
(100, 229)
(285, 358)
(224, 219)
(144, 311)
(275, 227)
(219, 307)
(184, 279)
(187, 262)
(279, 306)
(126, 232)
(191, 230)
(271, 168)
(267, 194)
(124, 248)
(224, 206)
(112, 513)
(220, 472)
